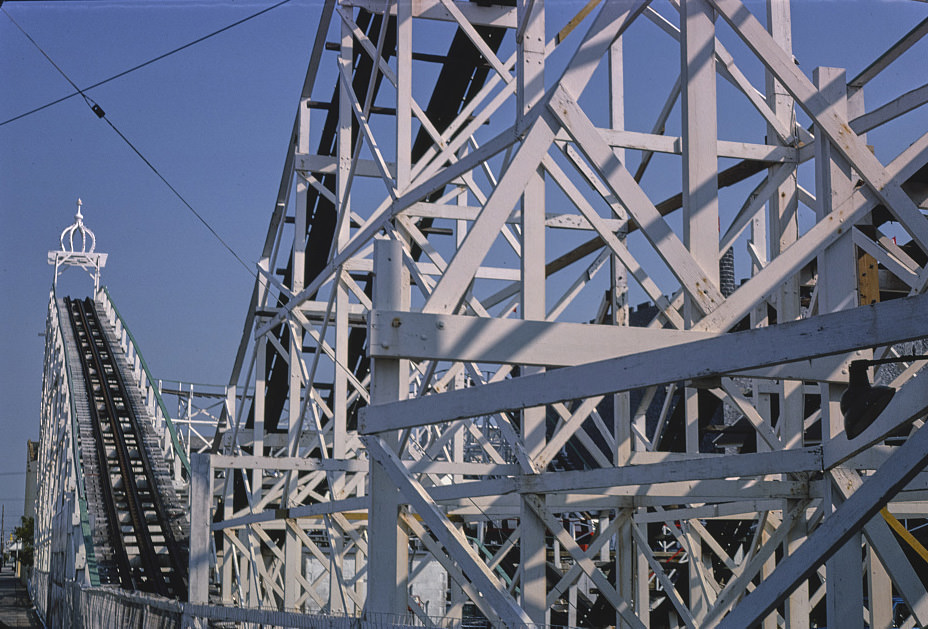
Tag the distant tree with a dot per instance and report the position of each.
(24, 534)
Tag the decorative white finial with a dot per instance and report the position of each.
(78, 227)
(83, 256)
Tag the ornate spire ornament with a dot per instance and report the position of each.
(80, 254)
(80, 229)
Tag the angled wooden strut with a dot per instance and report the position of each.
(872, 495)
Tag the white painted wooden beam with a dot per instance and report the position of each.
(908, 460)
(884, 542)
(388, 562)
(324, 165)
(305, 511)
(673, 145)
(833, 333)
(893, 53)
(511, 341)
(909, 101)
(756, 464)
(201, 500)
(910, 402)
(556, 528)
(384, 213)
(480, 15)
(456, 545)
(454, 571)
(821, 235)
(665, 242)
(613, 18)
(648, 484)
(824, 115)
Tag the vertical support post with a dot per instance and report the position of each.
(337, 599)
(345, 147)
(837, 276)
(700, 139)
(248, 570)
(228, 552)
(388, 545)
(700, 203)
(618, 289)
(530, 89)
(457, 598)
(252, 540)
(403, 94)
(879, 585)
(259, 404)
(628, 562)
(880, 591)
(293, 549)
(345, 144)
(837, 291)
(201, 502)
(457, 446)
(783, 218)
(228, 497)
(700, 164)
(784, 230)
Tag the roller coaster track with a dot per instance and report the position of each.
(144, 548)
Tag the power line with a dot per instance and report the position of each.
(176, 193)
(78, 92)
(96, 109)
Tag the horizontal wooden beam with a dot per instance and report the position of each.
(673, 145)
(477, 14)
(305, 511)
(723, 466)
(323, 165)
(395, 334)
(834, 333)
(905, 463)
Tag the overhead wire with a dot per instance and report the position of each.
(139, 66)
(100, 113)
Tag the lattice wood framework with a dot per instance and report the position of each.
(438, 359)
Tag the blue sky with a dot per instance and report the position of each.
(215, 120)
